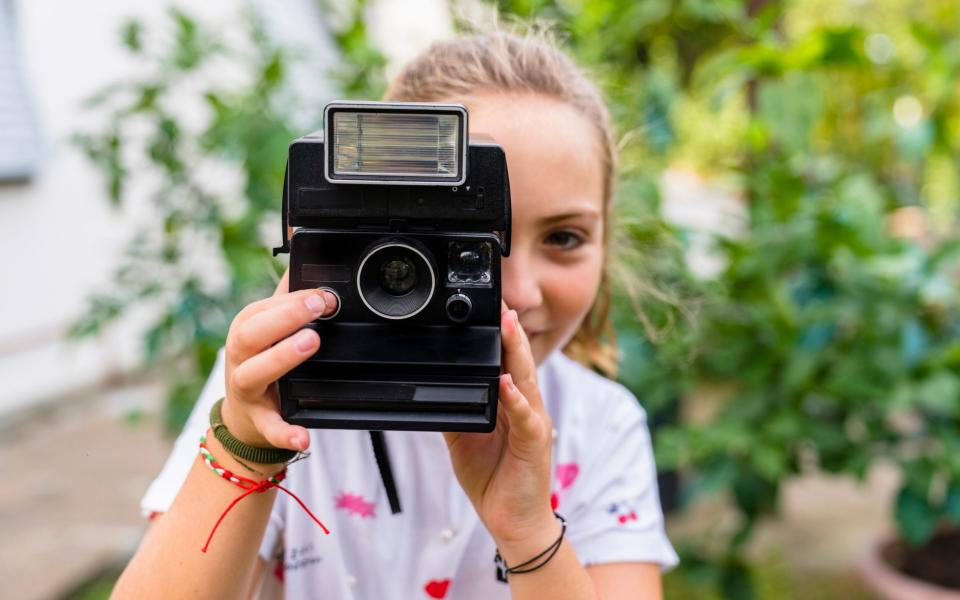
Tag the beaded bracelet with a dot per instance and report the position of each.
(503, 570)
(249, 485)
(256, 454)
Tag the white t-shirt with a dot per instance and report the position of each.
(604, 484)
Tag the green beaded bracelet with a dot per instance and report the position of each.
(266, 456)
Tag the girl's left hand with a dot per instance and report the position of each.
(506, 473)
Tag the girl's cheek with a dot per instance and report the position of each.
(569, 291)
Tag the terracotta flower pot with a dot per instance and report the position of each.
(888, 583)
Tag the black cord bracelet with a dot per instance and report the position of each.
(503, 570)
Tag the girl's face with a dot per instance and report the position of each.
(553, 272)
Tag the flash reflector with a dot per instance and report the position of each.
(396, 143)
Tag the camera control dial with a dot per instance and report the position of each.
(459, 307)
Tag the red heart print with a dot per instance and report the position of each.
(567, 474)
(437, 588)
(278, 571)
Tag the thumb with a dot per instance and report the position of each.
(278, 432)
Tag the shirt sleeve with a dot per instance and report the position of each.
(614, 507)
(164, 488)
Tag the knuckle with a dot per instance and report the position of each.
(282, 358)
(528, 380)
(234, 353)
(297, 312)
(244, 340)
(251, 309)
(241, 380)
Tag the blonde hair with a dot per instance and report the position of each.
(529, 62)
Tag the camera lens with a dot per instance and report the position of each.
(396, 279)
(459, 307)
(398, 275)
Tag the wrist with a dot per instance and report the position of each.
(240, 428)
(521, 543)
(232, 463)
(260, 453)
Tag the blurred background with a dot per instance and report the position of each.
(789, 194)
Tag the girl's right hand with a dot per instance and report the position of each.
(266, 340)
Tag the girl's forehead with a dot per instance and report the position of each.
(552, 150)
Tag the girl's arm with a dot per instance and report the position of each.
(627, 581)
(565, 577)
(265, 341)
(169, 563)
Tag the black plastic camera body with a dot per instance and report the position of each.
(415, 343)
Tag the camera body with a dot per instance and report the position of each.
(415, 264)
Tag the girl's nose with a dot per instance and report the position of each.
(521, 283)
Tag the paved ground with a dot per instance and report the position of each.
(825, 523)
(72, 478)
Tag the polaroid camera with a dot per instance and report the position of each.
(404, 218)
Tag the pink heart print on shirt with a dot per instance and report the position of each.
(355, 505)
(567, 474)
(437, 588)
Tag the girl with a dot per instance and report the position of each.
(567, 439)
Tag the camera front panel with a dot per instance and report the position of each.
(439, 279)
(415, 343)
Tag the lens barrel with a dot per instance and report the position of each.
(396, 280)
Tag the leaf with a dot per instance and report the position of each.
(754, 495)
(916, 519)
(131, 35)
(951, 505)
(736, 582)
(940, 394)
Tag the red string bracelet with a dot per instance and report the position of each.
(249, 485)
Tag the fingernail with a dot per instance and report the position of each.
(508, 379)
(329, 298)
(315, 304)
(304, 340)
(296, 443)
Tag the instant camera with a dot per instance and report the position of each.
(405, 218)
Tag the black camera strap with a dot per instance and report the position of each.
(386, 471)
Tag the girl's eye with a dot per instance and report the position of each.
(565, 240)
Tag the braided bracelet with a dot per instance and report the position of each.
(257, 454)
(249, 485)
(503, 570)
